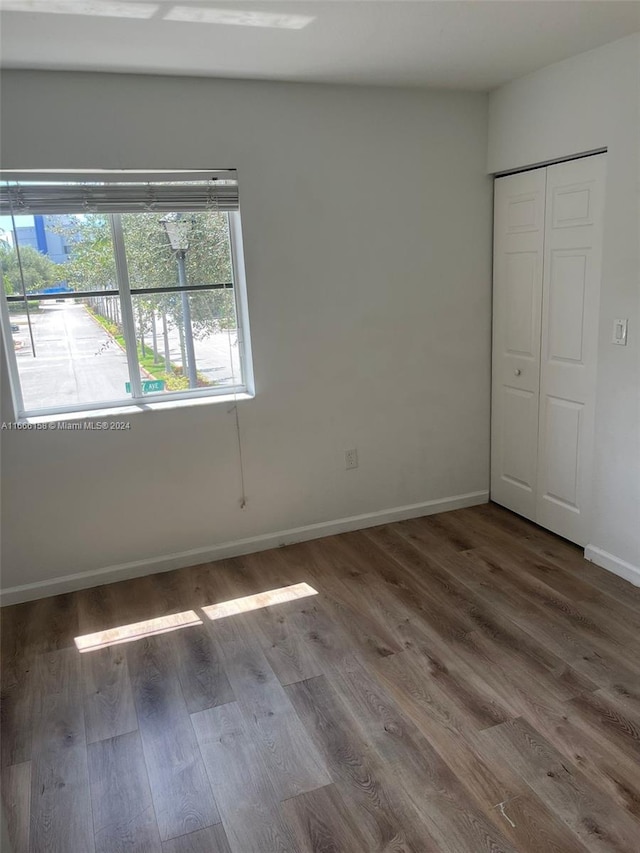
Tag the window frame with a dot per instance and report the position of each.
(137, 401)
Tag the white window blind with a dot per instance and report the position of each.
(124, 192)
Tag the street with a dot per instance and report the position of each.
(216, 354)
(76, 361)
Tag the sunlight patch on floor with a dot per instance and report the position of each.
(262, 599)
(136, 631)
(175, 621)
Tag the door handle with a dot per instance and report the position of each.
(517, 371)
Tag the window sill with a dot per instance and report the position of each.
(136, 409)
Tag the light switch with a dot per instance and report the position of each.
(619, 333)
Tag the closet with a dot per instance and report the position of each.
(546, 289)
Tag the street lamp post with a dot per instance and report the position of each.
(177, 234)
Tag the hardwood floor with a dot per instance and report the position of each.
(460, 683)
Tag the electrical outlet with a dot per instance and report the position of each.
(351, 459)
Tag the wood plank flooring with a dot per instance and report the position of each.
(460, 683)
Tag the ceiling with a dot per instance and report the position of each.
(465, 44)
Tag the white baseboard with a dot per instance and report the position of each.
(139, 568)
(613, 564)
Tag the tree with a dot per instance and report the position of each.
(91, 264)
(151, 263)
(39, 271)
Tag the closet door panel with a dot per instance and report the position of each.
(571, 294)
(517, 303)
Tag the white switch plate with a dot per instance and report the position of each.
(619, 333)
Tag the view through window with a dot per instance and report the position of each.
(121, 292)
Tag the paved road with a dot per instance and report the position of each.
(215, 354)
(77, 362)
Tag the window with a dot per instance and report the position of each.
(122, 289)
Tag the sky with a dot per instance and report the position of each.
(6, 228)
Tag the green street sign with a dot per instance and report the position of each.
(149, 386)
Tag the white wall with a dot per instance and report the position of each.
(588, 102)
(367, 227)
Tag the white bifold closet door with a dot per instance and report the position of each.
(547, 261)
